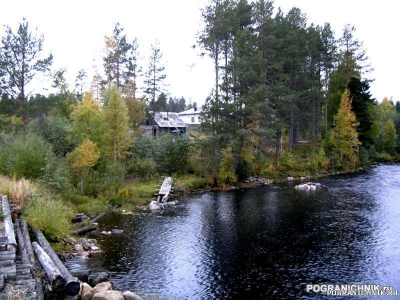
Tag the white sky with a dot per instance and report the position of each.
(74, 32)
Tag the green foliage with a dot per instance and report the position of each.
(364, 157)
(116, 137)
(171, 154)
(21, 60)
(144, 168)
(49, 215)
(244, 170)
(54, 131)
(87, 121)
(57, 176)
(389, 137)
(345, 135)
(383, 157)
(88, 205)
(292, 164)
(226, 174)
(193, 182)
(24, 156)
(114, 177)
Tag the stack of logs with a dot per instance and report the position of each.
(17, 262)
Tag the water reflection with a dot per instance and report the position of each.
(261, 243)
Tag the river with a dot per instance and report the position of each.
(260, 243)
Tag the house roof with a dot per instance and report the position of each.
(191, 111)
(168, 119)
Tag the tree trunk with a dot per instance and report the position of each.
(8, 224)
(278, 144)
(72, 285)
(27, 240)
(22, 245)
(84, 230)
(53, 274)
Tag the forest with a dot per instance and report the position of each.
(290, 99)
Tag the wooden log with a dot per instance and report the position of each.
(9, 271)
(39, 289)
(7, 221)
(84, 230)
(97, 218)
(53, 274)
(22, 244)
(2, 281)
(82, 275)
(7, 255)
(72, 285)
(6, 263)
(3, 243)
(28, 243)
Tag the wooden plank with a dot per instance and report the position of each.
(166, 186)
(165, 190)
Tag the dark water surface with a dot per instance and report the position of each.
(261, 243)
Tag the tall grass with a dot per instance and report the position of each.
(18, 191)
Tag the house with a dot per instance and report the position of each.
(163, 122)
(191, 117)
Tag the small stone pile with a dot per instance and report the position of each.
(259, 180)
(100, 288)
(83, 247)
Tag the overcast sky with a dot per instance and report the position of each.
(74, 32)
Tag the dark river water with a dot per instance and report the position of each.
(260, 243)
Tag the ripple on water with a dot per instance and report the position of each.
(261, 243)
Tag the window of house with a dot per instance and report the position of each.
(193, 119)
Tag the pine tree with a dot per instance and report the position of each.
(116, 60)
(345, 135)
(20, 61)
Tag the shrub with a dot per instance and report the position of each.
(143, 168)
(49, 215)
(24, 157)
(383, 157)
(88, 205)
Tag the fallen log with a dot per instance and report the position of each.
(72, 284)
(7, 221)
(84, 230)
(53, 274)
(22, 244)
(39, 289)
(97, 218)
(28, 243)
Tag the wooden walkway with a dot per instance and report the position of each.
(165, 190)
